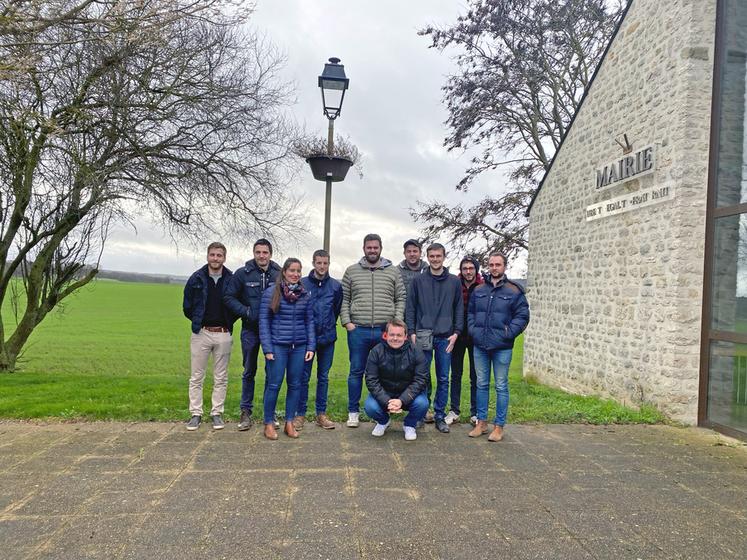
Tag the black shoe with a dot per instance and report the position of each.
(245, 422)
(194, 423)
(218, 423)
(419, 425)
(442, 426)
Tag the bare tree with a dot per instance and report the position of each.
(111, 109)
(523, 68)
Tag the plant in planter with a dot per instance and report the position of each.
(325, 166)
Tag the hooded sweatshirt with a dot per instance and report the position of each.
(435, 303)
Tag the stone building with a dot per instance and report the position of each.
(637, 273)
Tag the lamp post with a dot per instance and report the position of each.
(333, 84)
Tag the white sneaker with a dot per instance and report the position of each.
(379, 429)
(410, 433)
(451, 417)
(473, 420)
(353, 420)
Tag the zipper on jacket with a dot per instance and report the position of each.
(373, 297)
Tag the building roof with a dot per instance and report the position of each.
(580, 104)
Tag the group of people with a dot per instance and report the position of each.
(398, 318)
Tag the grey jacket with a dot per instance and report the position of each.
(408, 274)
(372, 296)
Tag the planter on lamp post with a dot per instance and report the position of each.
(329, 168)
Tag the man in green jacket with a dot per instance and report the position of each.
(372, 295)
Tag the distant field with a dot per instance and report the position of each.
(120, 351)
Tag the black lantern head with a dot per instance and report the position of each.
(333, 84)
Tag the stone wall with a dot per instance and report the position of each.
(616, 302)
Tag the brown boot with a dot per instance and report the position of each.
(323, 421)
(271, 432)
(298, 422)
(496, 434)
(290, 430)
(480, 428)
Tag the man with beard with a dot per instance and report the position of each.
(243, 296)
(372, 295)
(412, 265)
(211, 334)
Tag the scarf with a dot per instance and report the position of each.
(291, 292)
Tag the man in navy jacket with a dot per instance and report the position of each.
(327, 297)
(498, 312)
(211, 334)
(243, 296)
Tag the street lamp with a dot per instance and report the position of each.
(333, 84)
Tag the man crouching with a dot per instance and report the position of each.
(395, 377)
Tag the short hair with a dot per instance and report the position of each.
(498, 254)
(262, 241)
(217, 245)
(435, 247)
(319, 253)
(414, 242)
(396, 323)
(373, 237)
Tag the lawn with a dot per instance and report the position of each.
(120, 351)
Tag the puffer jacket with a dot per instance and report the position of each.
(326, 296)
(497, 314)
(466, 293)
(244, 292)
(395, 373)
(408, 275)
(372, 296)
(195, 297)
(293, 324)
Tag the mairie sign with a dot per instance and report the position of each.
(630, 201)
(628, 167)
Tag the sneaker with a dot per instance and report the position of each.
(353, 420)
(275, 420)
(451, 417)
(473, 420)
(429, 418)
(218, 423)
(245, 421)
(442, 426)
(379, 429)
(410, 433)
(194, 423)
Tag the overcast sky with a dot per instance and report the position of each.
(392, 112)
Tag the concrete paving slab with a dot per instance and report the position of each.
(128, 490)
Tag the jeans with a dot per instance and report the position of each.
(500, 360)
(415, 410)
(457, 368)
(287, 358)
(325, 353)
(249, 353)
(443, 363)
(360, 342)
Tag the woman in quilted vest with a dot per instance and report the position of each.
(287, 334)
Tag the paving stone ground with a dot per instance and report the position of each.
(134, 491)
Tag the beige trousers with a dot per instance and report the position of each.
(202, 345)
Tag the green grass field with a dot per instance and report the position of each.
(120, 351)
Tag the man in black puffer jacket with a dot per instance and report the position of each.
(395, 377)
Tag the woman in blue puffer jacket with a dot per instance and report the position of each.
(286, 330)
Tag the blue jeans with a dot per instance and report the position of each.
(443, 363)
(287, 358)
(415, 410)
(249, 352)
(500, 360)
(325, 353)
(360, 342)
(457, 368)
